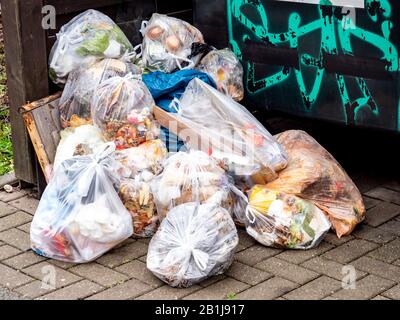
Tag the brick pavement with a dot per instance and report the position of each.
(257, 272)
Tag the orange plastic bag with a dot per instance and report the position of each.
(313, 174)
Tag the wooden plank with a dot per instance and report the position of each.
(25, 48)
(42, 121)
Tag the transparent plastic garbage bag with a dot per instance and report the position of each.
(87, 38)
(80, 216)
(230, 133)
(170, 43)
(226, 70)
(193, 243)
(284, 221)
(122, 107)
(313, 174)
(191, 176)
(140, 165)
(75, 102)
(80, 141)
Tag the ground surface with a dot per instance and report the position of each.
(257, 272)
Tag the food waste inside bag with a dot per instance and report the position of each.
(194, 242)
(87, 38)
(80, 216)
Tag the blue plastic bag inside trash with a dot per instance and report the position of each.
(164, 88)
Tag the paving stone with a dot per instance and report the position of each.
(379, 297)
(397, 262)
(393, 185)
(25, 227)
(287, 270)
(299, 256)
(268, 290)
(7, 251)
(247, 274)
(389, 252)
(5, 196)
(99, 274)
(366, 288)
(366, 183)
(330, 268)
(384, 194)
(219, 290)
(370, 202)
(143, 259)
(76, 291)
(315, 290)
(7, 294)
(14, 220)
(6, 209)
(381, 213)
(11, 278)
(24, 260)
(27, 204)
(168, 293)
(62, 264)
(123, 254)
(377, 235)
(245, 239)
(43, 271)
(392, 226)
(393, 293)
(34, 289)
(16, 238)
(350, 251)
(255, 254)
(125, 291)
(332, 238)
(138, 270)
(212, 280)
(379, 268)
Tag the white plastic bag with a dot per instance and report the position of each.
(87, 38)
(83, 140)
(226, 70)
(80, 215)
(193, 243)
(229, 132)
(188, 177)
(140, 165)
(168, 44)
(284, 221)
(122, 108)
(75, 102)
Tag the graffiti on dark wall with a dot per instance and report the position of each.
(337, 30)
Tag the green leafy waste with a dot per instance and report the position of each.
(6, 153)
(99, 43)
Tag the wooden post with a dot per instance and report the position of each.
(27, 80)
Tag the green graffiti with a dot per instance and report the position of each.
(336, 33)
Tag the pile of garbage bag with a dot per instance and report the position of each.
(115, 176)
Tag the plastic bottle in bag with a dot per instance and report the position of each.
(191, 176)
(284, 221)
(193, 243)
(226, 70)
(230, 133)
(75, 102)
(313, 174)
(80, 216)
(170, 43)
(122, 107)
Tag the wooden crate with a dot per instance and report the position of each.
(43, 124)
(42, 121)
